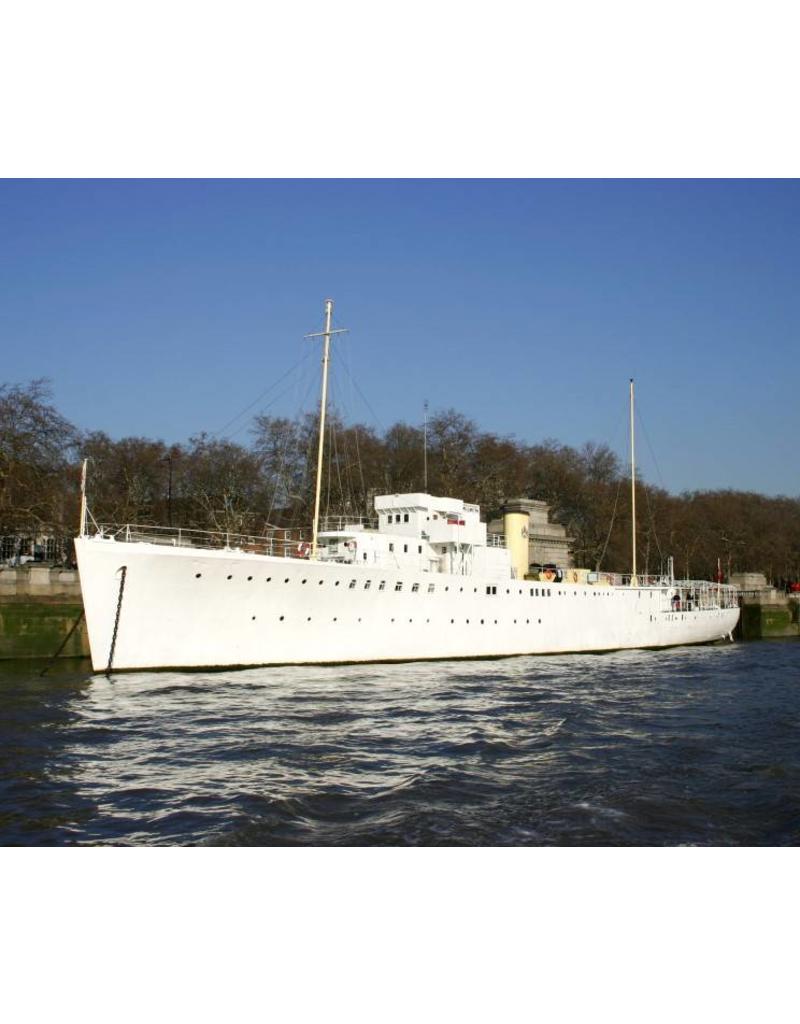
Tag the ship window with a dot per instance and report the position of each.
(431, 587)
(435, 516)
(549, 594)
(230, 577)
(382, 585)
(414, 588)
(444, 549)
(391, 547)
(531, 591)
(302, 581)
(285, 581)
(281, 619)
(250, 577)
(321, 582)
(336, 584)
(419, 549)
(269, 579)
(365, 556)
(367, 584)
(390, 518)
(405, 518)
(405, 549)
(197, 575)
(398, 585)
(352, 585)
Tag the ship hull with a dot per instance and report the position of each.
(195, 608)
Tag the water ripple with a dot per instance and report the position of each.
(688, 746)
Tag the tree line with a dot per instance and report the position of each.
(212, 483)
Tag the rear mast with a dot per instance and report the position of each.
(634, 579)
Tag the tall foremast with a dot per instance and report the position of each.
(327, 333)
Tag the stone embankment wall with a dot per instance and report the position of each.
(766, 612)
(38, 607)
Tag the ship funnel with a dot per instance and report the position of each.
(516, 527)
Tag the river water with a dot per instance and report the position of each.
(685, 746)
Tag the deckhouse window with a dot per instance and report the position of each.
(431, 587)
(367, 584)
(405, 517)
(414, 588)
(382, 585)
(352, 584)
(398, 585)
(391, 547)
(405, 549)
(419, 549)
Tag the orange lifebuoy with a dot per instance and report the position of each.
(574, 576)
(549, 575)
(303, 549)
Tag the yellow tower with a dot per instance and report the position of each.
(516, 525)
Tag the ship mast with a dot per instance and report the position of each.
(634, 580)
(326, 334)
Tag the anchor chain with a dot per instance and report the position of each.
(124, 570)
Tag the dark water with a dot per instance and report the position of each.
(687, 746)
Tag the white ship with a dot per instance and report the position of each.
(422, 580)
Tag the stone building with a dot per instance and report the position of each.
(548, 543)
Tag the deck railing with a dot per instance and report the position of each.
(283, 543)
(348, 523)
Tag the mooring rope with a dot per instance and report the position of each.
(124, 569)
(64, 643)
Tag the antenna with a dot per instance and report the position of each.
(634, 580)
(327, 333)
(425, 447)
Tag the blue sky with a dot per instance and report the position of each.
(163, 308)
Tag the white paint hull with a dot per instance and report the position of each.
(248, 609)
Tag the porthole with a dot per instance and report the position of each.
(335, 618)
(197, 575)
(336, 584)
(481, 621)
(249, 578)
(230, 577)
(321, 582)
(308, 619)
(269, 579)
(254, 618)
(286, 580)
(540, 622)
(280, 619)
(304, 581)
(452, 621)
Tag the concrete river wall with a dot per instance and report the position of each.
(38, 607)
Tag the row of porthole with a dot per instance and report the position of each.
(398, 586)
(281, 618)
